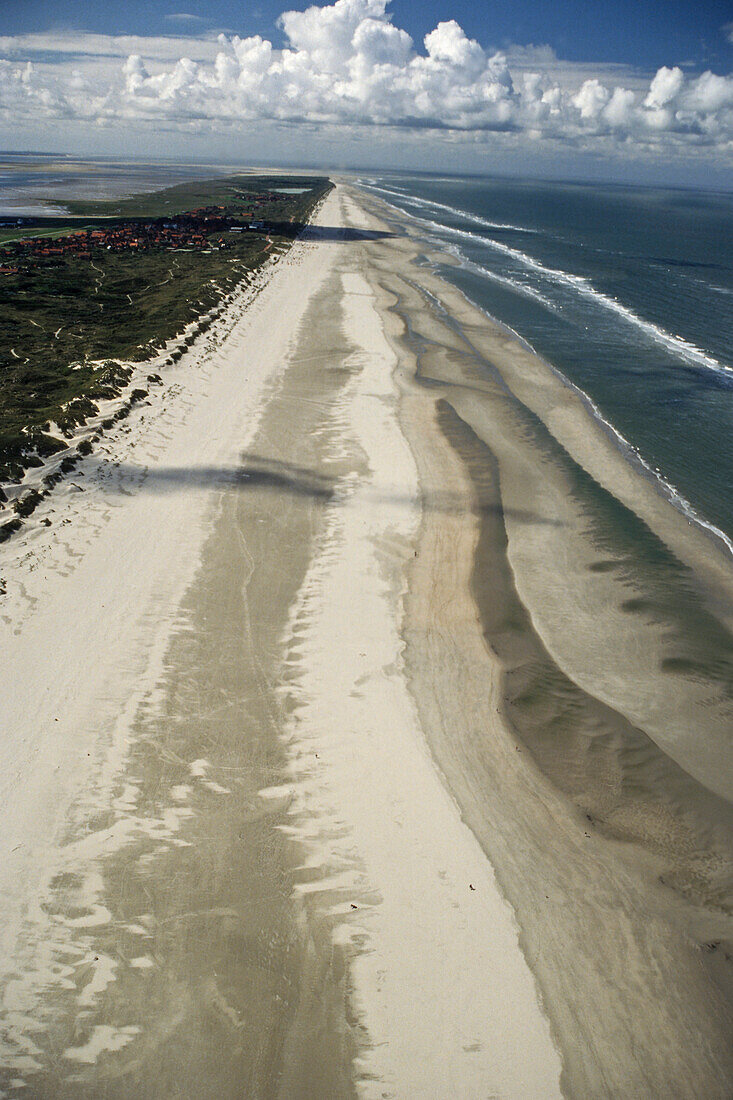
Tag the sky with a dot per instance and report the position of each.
(610, 89)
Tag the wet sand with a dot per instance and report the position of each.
(370, 726)
(622, 888)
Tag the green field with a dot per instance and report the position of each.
(21, 231)
(58, 321)
(232, 190)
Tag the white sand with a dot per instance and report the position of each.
(92, 599)
(374, 927)
(445, 993)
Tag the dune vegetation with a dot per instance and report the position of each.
(69, 322)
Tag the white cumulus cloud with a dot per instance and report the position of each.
(346, 64)
(664, 87)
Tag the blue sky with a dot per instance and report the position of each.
(644, 33)
(618, 89)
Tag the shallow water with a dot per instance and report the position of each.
(31, 185)
(627, 291)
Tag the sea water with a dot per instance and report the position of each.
(628, 291)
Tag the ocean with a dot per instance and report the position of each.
(627, 291)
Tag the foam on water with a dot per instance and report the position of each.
(685, 350)
(513, 284)
(582, 285)
(670, 491)
(430, 204)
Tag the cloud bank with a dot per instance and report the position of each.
(348, 65)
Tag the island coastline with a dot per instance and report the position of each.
(475, 479)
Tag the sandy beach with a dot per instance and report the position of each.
(349, 749)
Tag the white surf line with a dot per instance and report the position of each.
(582, 285)
(667, 488)
(413, 200)
(439, 980)
(683, 348)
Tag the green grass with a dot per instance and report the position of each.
(22, 232)
(232, 190)
(58, 321)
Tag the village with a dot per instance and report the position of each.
(191, 230)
